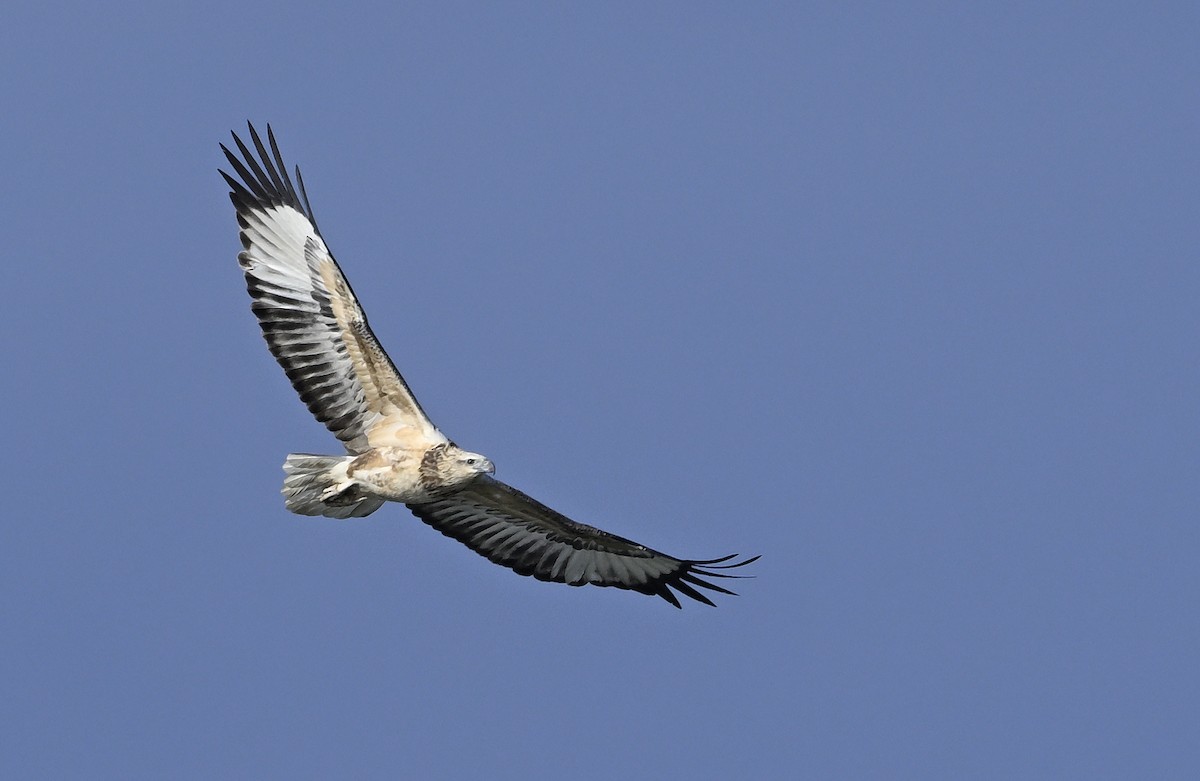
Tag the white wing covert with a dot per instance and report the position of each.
(308, 313)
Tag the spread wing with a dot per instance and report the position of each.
(309, 315)
(516, 531)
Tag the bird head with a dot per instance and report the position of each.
(458, 466)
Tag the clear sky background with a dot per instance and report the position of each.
(903, 298)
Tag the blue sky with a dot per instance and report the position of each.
(904, 299)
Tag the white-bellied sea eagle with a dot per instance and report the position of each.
(317, 331)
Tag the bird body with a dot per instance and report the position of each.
(330, 485)
(318, 332)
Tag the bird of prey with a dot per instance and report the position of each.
(318, 333)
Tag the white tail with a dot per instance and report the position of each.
(319, 485)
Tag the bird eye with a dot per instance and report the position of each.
(471, 462)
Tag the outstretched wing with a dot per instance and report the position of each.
(516, 531)
(309, 315)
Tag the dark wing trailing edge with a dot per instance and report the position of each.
(516, 531)
(308, 314)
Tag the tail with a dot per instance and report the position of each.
(319, 485)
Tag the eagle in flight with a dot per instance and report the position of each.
(318, 333)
